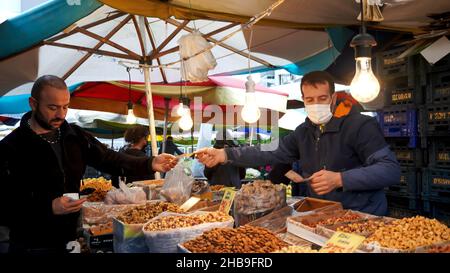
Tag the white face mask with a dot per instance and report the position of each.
(319, 113)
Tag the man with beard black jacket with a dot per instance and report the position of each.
(46, 157)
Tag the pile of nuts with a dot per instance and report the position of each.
(259, 196)
(244, 239)
(364, 227)
(217, 187)
(440, 249)
(142, 214)
(199, 187)
(96, 183)
(97, 196)
(101, 229)
(347, 217)
(173, 222)
(409, 233)
(297, 249)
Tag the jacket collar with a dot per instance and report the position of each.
(66, 129)
(333, 126)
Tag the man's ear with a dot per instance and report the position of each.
(33, 103)
(333, 102)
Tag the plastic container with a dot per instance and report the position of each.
(439, 152)
(399, 121)
(435, 120)
(436, 183)
(406, 156)
(409, 185)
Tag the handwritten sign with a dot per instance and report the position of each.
(342, 242)
(227, 200)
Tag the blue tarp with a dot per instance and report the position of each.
(33, 26)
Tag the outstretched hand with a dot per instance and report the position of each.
(210, 157)
(164, 162)
(65, 205)
(323, 182)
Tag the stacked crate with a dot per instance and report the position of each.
(435, 134)
(403, 83)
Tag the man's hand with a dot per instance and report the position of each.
(323, 182)
(164, 162)
(211, 157)
(65, 205)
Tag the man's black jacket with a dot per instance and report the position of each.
(30, 178)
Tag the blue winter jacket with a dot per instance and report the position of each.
(353, 145)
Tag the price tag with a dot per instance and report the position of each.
(227, 201)
(189, 203)
(342, 242)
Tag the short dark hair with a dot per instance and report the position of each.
(136, 133)
(315, 77)
(46, 80)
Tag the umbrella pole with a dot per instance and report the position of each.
(251, 134)
(151, 114)
(166, 117)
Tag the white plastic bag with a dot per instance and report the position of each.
(178, 184)
(167, 241)
(195, 69)
(125, 195)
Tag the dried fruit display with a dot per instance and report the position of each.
(410, 233)
(142, 214)
(347, 217)
(96, 183)
(244, 239)
(297, 249)
(174, 222)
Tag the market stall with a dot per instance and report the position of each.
(259, 219)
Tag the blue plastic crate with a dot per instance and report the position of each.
(405, 202)
(399, 121)
(438, 88)
(436, 183)
(410, 70)
(406, 156)
(409, 184)
(404, 95)
(437, 208)
(435, 120)
(439, 152)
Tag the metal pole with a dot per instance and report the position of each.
(166, 117)
(151, 114)
(148, 93)
(251, 134)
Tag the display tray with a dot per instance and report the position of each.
(309, 205)
(329, 230)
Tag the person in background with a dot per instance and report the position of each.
(345, 156)
(171, 148)
(45, 158)
(136, 138)
(225, 174)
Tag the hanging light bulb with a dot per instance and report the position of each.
(186, 121)
(131, 118)
(365, 86)
(179, 109)
(250, 112)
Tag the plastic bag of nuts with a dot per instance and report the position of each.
(257, 199)
(165, 232)
(127, 227)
